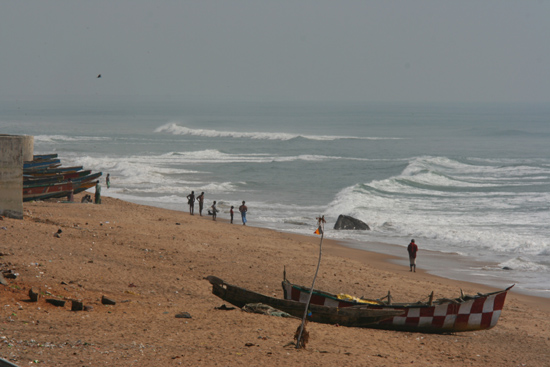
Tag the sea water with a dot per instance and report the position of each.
(466, 179)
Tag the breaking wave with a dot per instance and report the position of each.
(175, 129)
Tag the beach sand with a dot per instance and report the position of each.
(153, 262)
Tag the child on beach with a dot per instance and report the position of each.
(214, 211)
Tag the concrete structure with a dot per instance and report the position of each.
(28, 147)
(13, 151)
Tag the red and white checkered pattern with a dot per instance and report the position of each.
(479, 313)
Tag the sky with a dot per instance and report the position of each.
(250, 50)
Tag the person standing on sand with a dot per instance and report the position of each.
(200, 199)
(214, 211)
(243, 209)
(108, 180)
(191, 202)
(97, 195)
(231, 214)
(412, 249)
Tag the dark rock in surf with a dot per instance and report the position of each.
(347, 222)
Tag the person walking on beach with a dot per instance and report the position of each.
(108, 180)
(214, 210)
(231, 214)
(243, 209)
(200, 199)
(412, 249)
(97, 195)
(191, 202)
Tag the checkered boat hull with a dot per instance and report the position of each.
(478, 313)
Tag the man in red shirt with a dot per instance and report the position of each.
(412, 249)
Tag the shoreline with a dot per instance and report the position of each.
(437, 263)
(394, 261)
(450, 266)
(386, 262)
(153, 263)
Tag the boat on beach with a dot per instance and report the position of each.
(59, 190)
(45, 178)
(82, 176)
(445, 315)
(41, 164)
(355, 316)
(53, 170)
(37, 157)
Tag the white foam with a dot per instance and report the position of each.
(428, 201)
(175, 129)
(64, 138)
(523, 264)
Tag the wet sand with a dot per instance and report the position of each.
(153, 262)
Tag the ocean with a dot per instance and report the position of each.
(469, 182)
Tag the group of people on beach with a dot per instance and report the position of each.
(213, 211)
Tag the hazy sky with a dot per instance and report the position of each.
(317, 50)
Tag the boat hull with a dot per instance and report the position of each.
(357, 316)
(473, 313)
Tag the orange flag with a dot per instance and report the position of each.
(318, 231)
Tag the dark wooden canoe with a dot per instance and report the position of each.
(30, 179)
(38, 157)
(62, 178)
(466, 313)
(57, 190)
(49, 171)
(40, 164)
(356, 316)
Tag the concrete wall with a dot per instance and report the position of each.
(11, 175)
(28, 147)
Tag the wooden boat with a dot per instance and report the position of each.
(41, 164)
(357, 316)
(49, 171)
(83, 186)
(466, 313)
(82, 176)
(41, 192)
(37, 157)
(30, 179)
(57, 190)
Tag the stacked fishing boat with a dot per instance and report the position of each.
(44, 177)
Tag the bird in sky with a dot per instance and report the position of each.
(99, 76)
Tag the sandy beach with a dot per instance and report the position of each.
(152, 262)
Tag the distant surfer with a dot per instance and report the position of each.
(191, 202)
(412, 249)
(243, 209)
(200, 199)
